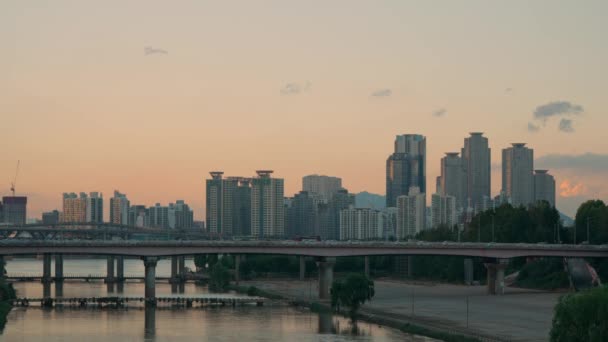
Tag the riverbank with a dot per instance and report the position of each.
(7, 294)
(405, 324)
(520, 314)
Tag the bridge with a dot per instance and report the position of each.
(89, 230)
(324, 252)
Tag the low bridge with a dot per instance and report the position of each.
(325, 253)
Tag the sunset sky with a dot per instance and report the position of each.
(147, 97)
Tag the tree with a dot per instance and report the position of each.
(202, 260)
(593, 213)
(581, 317)
(351, 293)
(219, 278)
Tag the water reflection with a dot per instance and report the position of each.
(150, 323)
(326, 323)
(58, 289)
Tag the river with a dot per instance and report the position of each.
(275, 321)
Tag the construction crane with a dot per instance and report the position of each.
(14, 182)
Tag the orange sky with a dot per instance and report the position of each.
(86, 109)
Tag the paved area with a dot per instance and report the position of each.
(520, 315)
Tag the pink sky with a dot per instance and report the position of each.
(290, 87)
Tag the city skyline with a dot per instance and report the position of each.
(304, 88)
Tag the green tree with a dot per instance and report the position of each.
(593, 213)
(219, 278)
(581, 317)
(351, 293)
(202, 260)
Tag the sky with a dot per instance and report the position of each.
(147, 97)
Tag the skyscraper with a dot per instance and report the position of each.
(14, 209)
(406, 167)
(94, 207)
(324, 186)
(361, 224)
(476, 160)
(157, 216)
(452, 181)
(138, 215)
(443, 210)
(74, 208)
(180, 216)
(544, 187)
(303, 215)
(267, 208)
(411, 214)
(228, 204)
(517, 176)
(51, 217)
(119, 209)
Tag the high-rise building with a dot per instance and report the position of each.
(411, 214)
(180, 216)
(517, 176)
(476, 160)
(303, 216)
(94, 207)
(443, 211)
(406, 167)
(325, 186)
(328, 214)
(51, 217)
(228, 204)
(157, 216)
(267, 207)
(452, 181)
(74, 208)
(119, 209)
(14, 209)
(361, 224)
(544, 187)
(138, 216)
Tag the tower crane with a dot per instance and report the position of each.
(14, 182)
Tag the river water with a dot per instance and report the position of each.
(272, 322)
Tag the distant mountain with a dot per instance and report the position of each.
(567, 221)
(368, 200)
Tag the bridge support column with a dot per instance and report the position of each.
(182, 268)
(150, 279)
(46, 268)
(110, 270)
(302, 267)
(2, 267)
(237, 271)
(326, 276)
(120, 268)
(496, 277)
(366, 262)
(173, 279)
(58, 267)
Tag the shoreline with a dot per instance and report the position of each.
(403, 323)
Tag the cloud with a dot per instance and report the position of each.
(382, 93)
(295, 88)
(508, 90)
(148, 50)
(565, 125)
(588, 162)
(556, 108)
(440, 112)
(569, 188)
(533, 128)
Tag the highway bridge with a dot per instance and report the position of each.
(324, 252)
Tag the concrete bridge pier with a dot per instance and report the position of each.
(366, 262)
(237, 271)
(302, 267)
(120, 268)
(326, 276)
(496, 276)
(150, 279)
(58, 267)
(46, 268)
(2, 265)
(181, 262)
(173, 279)
(110, 270)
